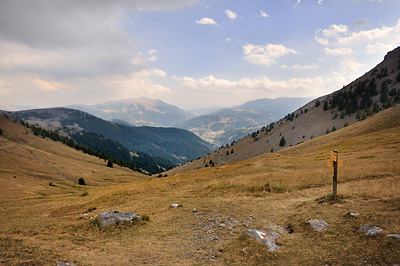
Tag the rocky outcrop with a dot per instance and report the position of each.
(267, 238)
(370, 230)
(318, 225)
(116, 218)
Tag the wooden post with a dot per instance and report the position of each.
(335, 166)
(334, 161)
(334, 179)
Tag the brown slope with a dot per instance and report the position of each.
(309, 121)
(28, 164)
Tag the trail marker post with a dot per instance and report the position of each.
(335, 163)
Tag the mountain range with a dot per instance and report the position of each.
(217, 126)
(376, 90)
(138, 112)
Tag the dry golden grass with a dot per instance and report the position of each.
(272, 189)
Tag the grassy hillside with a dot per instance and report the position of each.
(43, 225)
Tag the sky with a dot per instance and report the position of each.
(188, 53)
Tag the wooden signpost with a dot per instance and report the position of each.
(335, 163)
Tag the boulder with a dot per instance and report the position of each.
(116, 218)
(267, 238)
(370, 230)
(318, 225)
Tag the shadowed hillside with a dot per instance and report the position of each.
(175, 145)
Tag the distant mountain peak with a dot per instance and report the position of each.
(140, 111)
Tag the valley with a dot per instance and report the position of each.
(279, 190)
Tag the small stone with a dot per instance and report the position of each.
(245, 251)
(370, 230)
(354, 214)
(222, 225)
(395, 236)
(267, 238)
(176, 205)
(194, 210)
(318, 225)
(65, 263)
(233, 220)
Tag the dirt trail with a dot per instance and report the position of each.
(52, 168)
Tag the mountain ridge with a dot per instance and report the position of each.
(177, 145)
(138, 111)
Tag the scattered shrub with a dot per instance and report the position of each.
(145, 218)
(81, 181)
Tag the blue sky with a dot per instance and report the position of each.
(189, 53)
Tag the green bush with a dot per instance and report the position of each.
(81, 181)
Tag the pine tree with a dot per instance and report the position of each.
(282, 142)
(326, 106)
(372, 87)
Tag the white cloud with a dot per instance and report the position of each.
(338, 51)
(265, 55)
(303, 87)
(230, 14)
(49, 86)
(334, 31)
(152, 58)
(350, 67)
(378, 48)
(263, 14)
(152, 54)
(228, 39)
(320, 2)
(304, 67)
(5, 87)
(346, 41)
(368, 35)
(206, 21)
